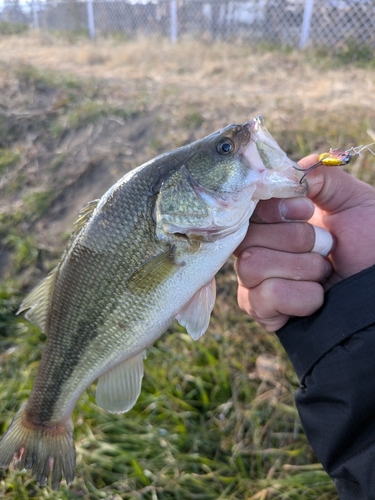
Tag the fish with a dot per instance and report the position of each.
(140, 257)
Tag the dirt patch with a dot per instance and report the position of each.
(99, 155)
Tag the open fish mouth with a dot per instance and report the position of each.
(279, 175)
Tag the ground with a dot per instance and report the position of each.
(216, 418)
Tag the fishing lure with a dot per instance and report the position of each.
(336, 158)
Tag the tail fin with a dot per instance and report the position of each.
(41, 449)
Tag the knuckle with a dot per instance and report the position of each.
(250, 266)
(263, 298)
(270, 290)
(243, 266)
(251, 302)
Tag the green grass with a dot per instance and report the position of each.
(7, 159)
(205, 426)
(201, 429)
(349, 52)
(12, 28)
(24, 251)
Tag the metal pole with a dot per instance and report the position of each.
(173, 8)
(90, 19)
(307, 15)
(35, 15)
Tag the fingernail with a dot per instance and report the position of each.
(297, 209)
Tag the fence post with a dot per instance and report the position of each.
(173, 9)
(306, 23)
(35, 15)
(90, 19)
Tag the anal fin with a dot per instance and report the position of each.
(195, 315)
(118, 389)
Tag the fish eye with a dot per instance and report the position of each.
(225, 146)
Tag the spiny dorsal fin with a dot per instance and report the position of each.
(37, 302)
(119, 388)
(84, 216)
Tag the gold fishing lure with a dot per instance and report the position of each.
(336, 158)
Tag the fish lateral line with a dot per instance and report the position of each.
(336, 157)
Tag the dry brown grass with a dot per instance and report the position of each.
(207, 73)
(307, 106)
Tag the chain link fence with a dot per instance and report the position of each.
(295, 23)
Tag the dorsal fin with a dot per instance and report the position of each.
(84, 216)
(37, 302)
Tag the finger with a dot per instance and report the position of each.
(257, 264)
(275, 300)
(308, 161)
(281, 210)
(292, 237)
(274, 324)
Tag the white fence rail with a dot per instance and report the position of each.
(295, 23)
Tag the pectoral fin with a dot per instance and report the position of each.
(195, 316)
(118, 389)
(153, 272)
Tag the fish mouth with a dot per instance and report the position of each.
(278, 174)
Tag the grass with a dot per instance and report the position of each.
(201, 428)
(7, 158)
(349, 52)
(210, 422)
(12, 28)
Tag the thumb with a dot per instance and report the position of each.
(333, 190)
(346, 208)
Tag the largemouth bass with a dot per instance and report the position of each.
(142, 256)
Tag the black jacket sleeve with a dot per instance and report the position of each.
(333, 353)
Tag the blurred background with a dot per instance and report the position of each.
(291, 22)
(90, 90)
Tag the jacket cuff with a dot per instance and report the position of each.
(349, 306)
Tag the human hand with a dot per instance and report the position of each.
(278, 275)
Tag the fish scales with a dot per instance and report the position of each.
(87, 271)
(143, 255)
